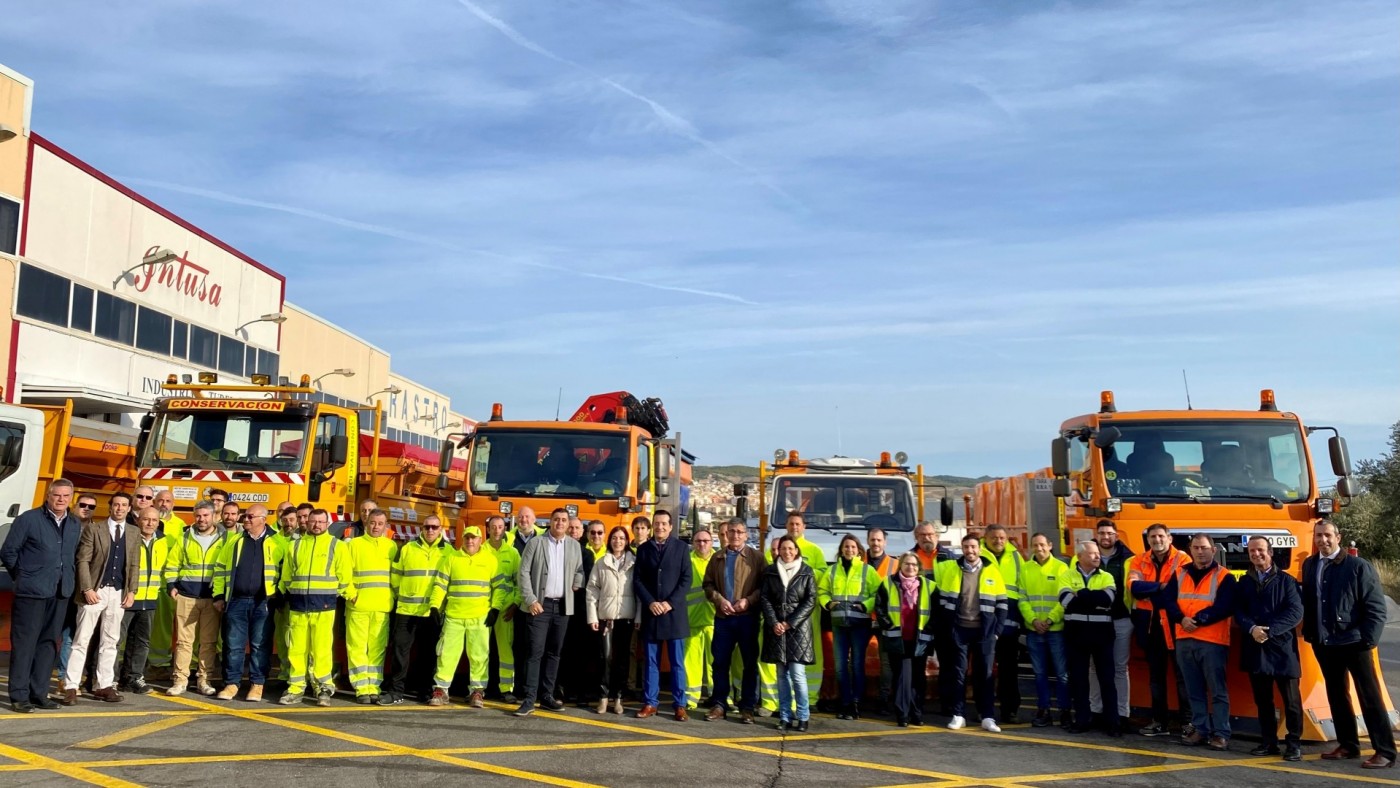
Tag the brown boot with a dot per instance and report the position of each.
(254, 694)
(229, 692)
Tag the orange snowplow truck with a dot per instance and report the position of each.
(1229, 474)
(611, 461)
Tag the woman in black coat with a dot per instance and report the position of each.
(789, 593)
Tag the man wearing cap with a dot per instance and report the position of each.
(463, 592)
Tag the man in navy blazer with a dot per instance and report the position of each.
(661, 581)
(40, 554)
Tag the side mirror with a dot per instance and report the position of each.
(147, 421)
(1059, 457)
(1341, 460)
(313, 488)
(1344, 487)
(1107, 437)
(1060, 487)
(945, 512)
(339, 450)
(741, 508)
(741, 490)
(442, 481)
(663, 489)
(445, 456)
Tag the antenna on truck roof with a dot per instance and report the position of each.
(1188, 389)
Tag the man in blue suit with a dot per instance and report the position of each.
(661, 582)
(40, 553)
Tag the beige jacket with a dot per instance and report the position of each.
(610, 596)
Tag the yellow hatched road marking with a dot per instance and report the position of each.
(128, 734)
(387, 747)
(77, 715)
(65, 769)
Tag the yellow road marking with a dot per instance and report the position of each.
(1360, 778)
(1084, 745)
(75, 715)
(386, 746)
(128, 734)
(65, 769)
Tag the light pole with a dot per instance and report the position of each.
(273, 317)
(342, 371)
(391, 390)
(154, 258)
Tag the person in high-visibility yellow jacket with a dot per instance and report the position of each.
(136, 621)
(189, 579)
(972, 621)
(372, 557)
(169, 527)
(464, 592)
(698, 659)
(767, 671)
(314, 574)
(998, 550)
(505, 606)
(847, 590)
(1044, 617)
(416, 625)
(288, 531)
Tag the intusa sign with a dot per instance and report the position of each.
(266, 405)
(181, 275)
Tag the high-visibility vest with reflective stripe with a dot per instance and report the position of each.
(1010, 567)
(190, 568)
(462, 588)
(991, 590)
(858, 584)
(1193, 597)
(698, 608)
(1072, 582)
(228, 564)
(928, 563)
(316, 571)
(1040, 598)
(896, 609)
(372, 563)
(415, 573)
(1143, 567)
(507, 573)
(172, 526)
(151, 573)
(887, 566)
(598, 552)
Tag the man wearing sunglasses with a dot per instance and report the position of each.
(108, 567)
(417, 626)
(84, 507)
(39, 553)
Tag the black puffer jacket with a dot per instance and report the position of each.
(794, 606)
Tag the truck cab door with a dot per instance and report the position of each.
(331, 458)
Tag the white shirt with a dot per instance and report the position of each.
(114, 529)
(554, 572)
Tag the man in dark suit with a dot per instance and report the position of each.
(661, 582)
(1343, 615)
(108, 567)
(39, 553)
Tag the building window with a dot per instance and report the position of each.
(153, 331)
(9, 226)
(204, 347)
(42, 295)
(267, 363)
(81, 317)
(180, 340)
(230, 356)
(115, 319)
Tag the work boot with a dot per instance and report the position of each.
(108, 694)
(176, 690)
(254, 694)
(617, 706)
(603, 706)
(477, 701)
(288, 699)
(69, 697)
(207, 690)
(364, 700)
(439, 697)
(323, 697)
(229, 692)
(1041, 719)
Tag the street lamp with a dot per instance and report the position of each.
(342, 371)
(272, 317)
(156, 257)
(391, 390)
(447, 427)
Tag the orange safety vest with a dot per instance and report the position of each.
(1193, 597)
(927, 561)
(1144, 568)
(885, 567)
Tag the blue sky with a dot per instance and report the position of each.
(936, 227)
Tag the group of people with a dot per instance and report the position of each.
(585, 613)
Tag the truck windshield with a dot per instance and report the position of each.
(220, 441)
(1242, 460)
(549, 463)
(834, 501)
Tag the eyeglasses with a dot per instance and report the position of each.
(140, 497)
(87, 506)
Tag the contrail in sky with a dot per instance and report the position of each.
(671, 121)
(437, 243)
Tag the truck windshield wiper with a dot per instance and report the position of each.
(1251, 497)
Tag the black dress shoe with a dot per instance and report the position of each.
(802, 726)
(1293, 753)
(22, 707)
(47, 704)
(551, 704)
(1265, 749)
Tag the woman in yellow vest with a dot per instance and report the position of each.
(904, 613)
(847, 590)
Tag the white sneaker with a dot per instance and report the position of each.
(956, 723)
(990, 725)
(176, 689)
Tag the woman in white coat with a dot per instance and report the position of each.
(612, 612)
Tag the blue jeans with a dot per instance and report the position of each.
(651, 687)
(792, 683)
(1202, 666)
(1048, 651)
(850, 644)
(248, 624)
